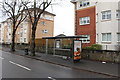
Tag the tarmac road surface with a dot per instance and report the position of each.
(14, 66)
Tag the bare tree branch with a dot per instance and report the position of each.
(7, 11)
(29, 13)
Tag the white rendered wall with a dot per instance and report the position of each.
(92, 3)
(110, 26)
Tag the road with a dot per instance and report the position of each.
(14, 66)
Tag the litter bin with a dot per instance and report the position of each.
(26, 51)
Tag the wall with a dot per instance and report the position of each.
(89, 29)
(102, 55)
(108, 26)
(49, 25)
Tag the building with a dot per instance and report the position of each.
(45, 28)
(98, 20)
(5, 32)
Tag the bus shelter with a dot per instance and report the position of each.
(76, 43)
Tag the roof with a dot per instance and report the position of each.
(60, 35)
(63, 37)
(44, 11)
(3, 21)
(73, 1)
(32, 9)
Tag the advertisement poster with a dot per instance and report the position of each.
(77, 49)
(57, 44)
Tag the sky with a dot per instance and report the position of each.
(64, 19)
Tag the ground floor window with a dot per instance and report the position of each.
(106, 37)
(118, 37)
(97, 39)
(85, 40)
(24, 39)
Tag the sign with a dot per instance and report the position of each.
(77, 50)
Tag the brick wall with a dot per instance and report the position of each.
(89, 29)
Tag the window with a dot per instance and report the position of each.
(25, 31)
(85, 40)
(84, 3)
(118, 14)
(106, 37)
(21, 40)
(97, 17)
(43, 23)
(24, 39)
(118, 37)
(97, 39)
(21, 34)
(106, 15)
(44, 31)
(84, 20)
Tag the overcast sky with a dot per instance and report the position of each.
(64, 19)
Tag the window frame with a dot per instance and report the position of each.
(107, 15)
(45, 31)
(118, 39)
(84, 20)
(85, 40)
(84, 3)
(118, 12)
(25, 39)
(43, 23)
(106, 36)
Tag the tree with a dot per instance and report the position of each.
(38, 9)
(14, 9)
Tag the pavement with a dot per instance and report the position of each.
(110, 69)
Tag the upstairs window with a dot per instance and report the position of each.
(97, 18)
(84, 3)
(43, 23)
(25, 31)
(44, 31)
(21, 34)
(106, 15)
(118, 14)
(84, 20)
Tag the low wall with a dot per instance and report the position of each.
(102, 55)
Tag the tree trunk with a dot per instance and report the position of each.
(13, 42)
(33, 43)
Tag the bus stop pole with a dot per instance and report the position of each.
(54, 47)
(46, 46)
